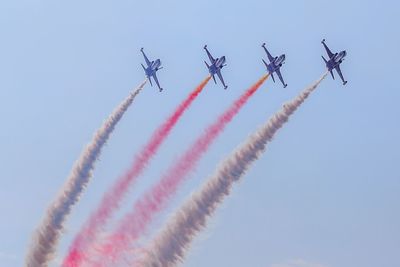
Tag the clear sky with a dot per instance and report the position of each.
(326, 193)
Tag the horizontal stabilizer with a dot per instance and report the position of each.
(272, 76)
(266, 65)
(332, 74)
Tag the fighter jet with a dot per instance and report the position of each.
(335, 59)
(151, 69)
(275, 65)
(216, 65)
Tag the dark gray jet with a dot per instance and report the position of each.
(216, 65)
(151, 69)
(274, 65)
(335, 59)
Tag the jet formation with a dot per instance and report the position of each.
(273, 65)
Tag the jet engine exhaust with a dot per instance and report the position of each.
(135, 223)
(47, 235)
(170, 247)
(112, 199)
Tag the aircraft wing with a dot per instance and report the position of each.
(209, 55)
(328, 51)
(338, 70)
(145, 58)
(278, 72)
(156, 80)
(270, 58)
(221, 78)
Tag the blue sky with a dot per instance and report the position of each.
(324, 194)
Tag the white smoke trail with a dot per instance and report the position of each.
(47, 235)
(170, 246)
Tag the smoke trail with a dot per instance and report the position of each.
(47, 235)
(171, 245)
(112, 199)
(136, 222)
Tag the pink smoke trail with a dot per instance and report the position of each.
(47, 235)
(170, 246)
(136, 222)
(112, 199)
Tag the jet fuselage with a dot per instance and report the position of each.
(336, 60)
(153, 68)
(218, 64)
(276, 63)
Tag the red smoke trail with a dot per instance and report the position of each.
(136, 222)
(172, 244)
(112, 199)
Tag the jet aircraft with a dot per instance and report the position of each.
(216, 65)
(151, 69)
(334, 61)
(275, 65)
